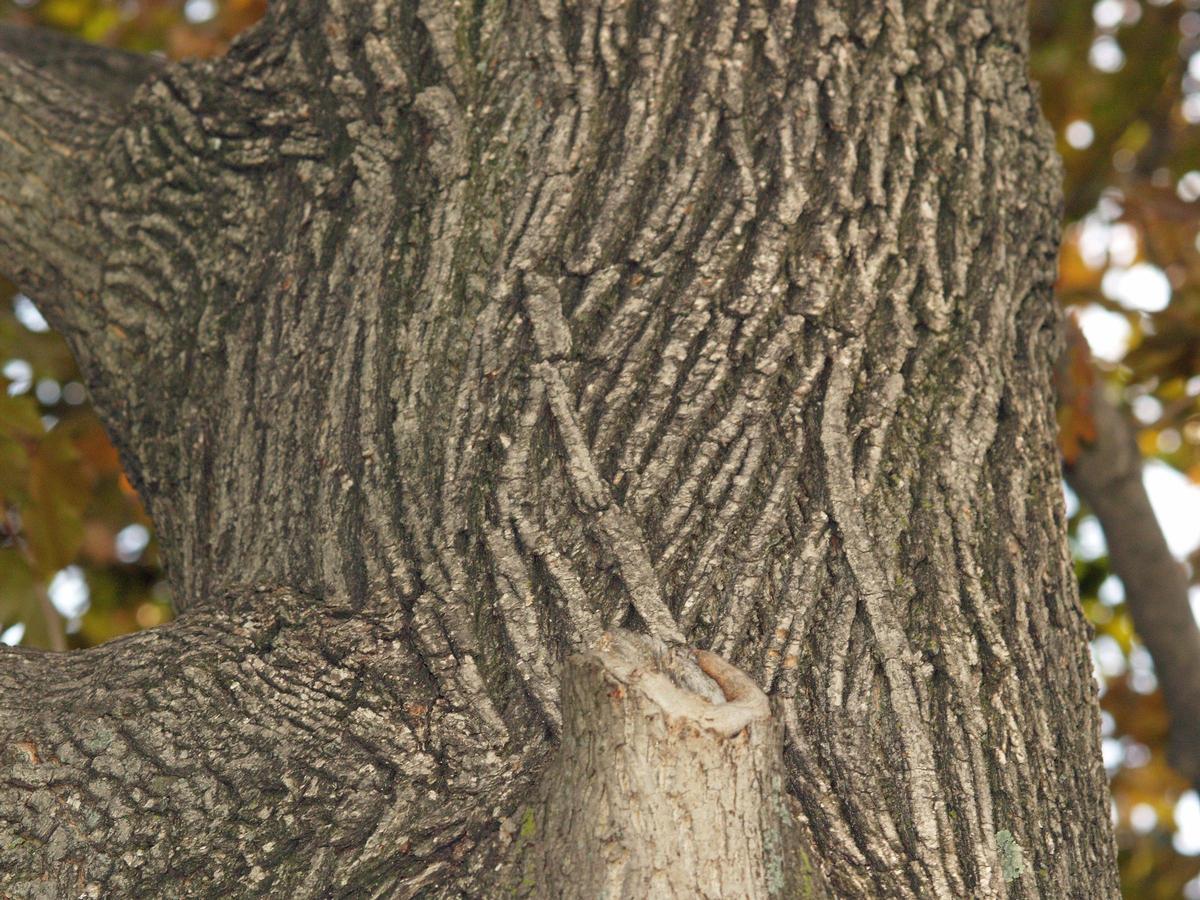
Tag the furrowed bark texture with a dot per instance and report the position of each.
(60, 102)
(470, 332)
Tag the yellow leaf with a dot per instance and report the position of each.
(68, 14)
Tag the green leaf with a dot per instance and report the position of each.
(14, 472)
(20, 430)
(16, 588)
(19, 418)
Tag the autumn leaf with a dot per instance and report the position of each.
(59, 492)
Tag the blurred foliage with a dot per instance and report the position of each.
(193, 28)
(1120, 85)
(71, 524)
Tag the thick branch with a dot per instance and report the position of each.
(293, 748)
(1108, 478)
(59, 100)
(285, 748)
(104, 75)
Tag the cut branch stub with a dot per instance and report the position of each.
(666, 784)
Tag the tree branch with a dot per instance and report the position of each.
(59, 101)
(1107, 476)
(105, 73)
(663, 786)
(285, 747)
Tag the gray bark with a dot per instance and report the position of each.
(441, 339)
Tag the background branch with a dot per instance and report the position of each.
(1107, 476)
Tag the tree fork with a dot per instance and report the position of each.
(479, 330)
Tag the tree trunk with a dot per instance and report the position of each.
(442, 339)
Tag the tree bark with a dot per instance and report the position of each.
(663, 788)
(443, 338)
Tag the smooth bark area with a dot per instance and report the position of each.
(664, 787)
(443, 338)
